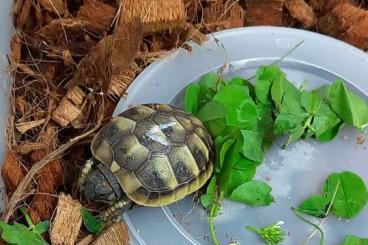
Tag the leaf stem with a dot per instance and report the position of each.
(214, 206)
(252, 228)
(28, 219)
(327, 212)
(312, 224)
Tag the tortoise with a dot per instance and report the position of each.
(151, 155)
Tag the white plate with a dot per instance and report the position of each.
(294, 173)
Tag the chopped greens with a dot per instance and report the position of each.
(244, 117)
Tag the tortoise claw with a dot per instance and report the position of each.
(115, 211)
(86, 169)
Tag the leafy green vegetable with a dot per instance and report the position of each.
(271, 234)
(208, 198)
(315, 205)
(23, 235)
(351, 197)
(191, 100)
(232, 96)
(244, 119)
(252, 146)
(350, 107)
(92, 224)
(346, 192)
(245, 116)
(211, 111)
(240, 176)
(354, 240)
(208, 86)
(254, 193)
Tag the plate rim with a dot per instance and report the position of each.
(154, 67)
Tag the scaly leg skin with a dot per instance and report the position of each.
(86, 169)
(115, 211)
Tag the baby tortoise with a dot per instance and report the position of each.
(151, 154)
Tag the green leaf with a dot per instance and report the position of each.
(191, 98)
(295, 134)
(310, 101)
(224, 150)
(278, 90)
(323, 92)
(208, 84)
(350, 107)
(315, 205)
(42, 227)
(239, 177)
(354, 240)
(92, 224)
(245, 116)
(269, 73)
(263, 88)
(351, 196)
(20, 234)
(252, 145)
(286, 122)
(211, 111)
(331, 133)
(325, 121)
(237, 81)
(216, 127)
(232, 156)
(209, 197)
(265, 125)
(254, 193)
(291, 99)
(232, 96)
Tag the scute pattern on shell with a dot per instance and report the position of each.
(162, 153)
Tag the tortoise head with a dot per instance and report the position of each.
(102, 186)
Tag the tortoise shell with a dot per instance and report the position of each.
(158, 153)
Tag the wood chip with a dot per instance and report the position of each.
(67, 221)
(220, 16)
(323, 6)
(15, 47)
(156, 15)
(264, 12)
(25, 126)
(60, 27)
(70, 107)
(99, 15)
(21, 13)
(27, 147)
(116, 234)
(120, 82)
(109, 57)
(301, 11)
(346, 22)
(12, 171)
(58, 7)
(192, 8)
(86, 241)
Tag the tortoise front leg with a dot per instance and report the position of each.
(86, 169)
(116, 210)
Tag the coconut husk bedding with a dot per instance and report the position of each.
(71, 61)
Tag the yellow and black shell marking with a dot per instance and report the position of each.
(158, 153)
